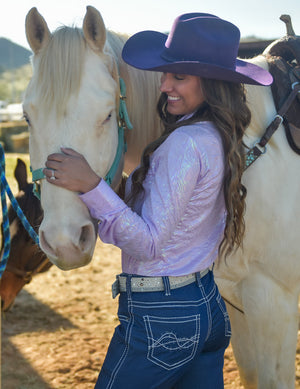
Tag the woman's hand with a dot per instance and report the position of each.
(70, 170)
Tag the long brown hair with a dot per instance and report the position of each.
(225, 105)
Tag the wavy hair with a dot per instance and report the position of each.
(225, 105)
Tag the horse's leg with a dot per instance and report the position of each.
(242, 348)
(271, 312)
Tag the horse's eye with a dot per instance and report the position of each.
(108, 118)
(25, 116)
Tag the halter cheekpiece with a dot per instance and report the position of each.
(123, 123)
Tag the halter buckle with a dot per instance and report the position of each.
(263, 149)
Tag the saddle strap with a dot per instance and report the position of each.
(279, 117)
(260, 147)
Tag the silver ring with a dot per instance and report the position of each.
(52, 175)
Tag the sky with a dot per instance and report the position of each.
(253, 17)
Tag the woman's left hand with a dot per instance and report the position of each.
(71, 171)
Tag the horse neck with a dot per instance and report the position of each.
(261, 104)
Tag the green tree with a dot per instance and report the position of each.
(4, 90)
(13, 83)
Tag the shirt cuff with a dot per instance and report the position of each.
(102, 201)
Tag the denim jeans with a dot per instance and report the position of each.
(173, 339)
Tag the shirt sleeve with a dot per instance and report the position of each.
(173, 174)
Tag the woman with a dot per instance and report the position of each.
(184, 207)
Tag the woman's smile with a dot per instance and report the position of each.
(184, 92)
(173, 98)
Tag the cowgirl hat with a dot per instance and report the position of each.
(199, 44)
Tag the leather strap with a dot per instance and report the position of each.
(259, 148)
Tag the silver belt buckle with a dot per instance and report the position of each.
(115, 289)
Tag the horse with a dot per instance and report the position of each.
(260, 282)
(78, 77)
(25, 259)
(72, 100)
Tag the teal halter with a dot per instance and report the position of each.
(123, 123)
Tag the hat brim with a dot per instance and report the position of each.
(144, 51)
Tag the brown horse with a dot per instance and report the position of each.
(25, 258)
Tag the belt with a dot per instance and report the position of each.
(154, 284)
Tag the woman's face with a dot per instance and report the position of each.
(184, 93)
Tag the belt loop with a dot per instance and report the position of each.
(115, 288)
(198, 279)
(128, 285)
(167, 286)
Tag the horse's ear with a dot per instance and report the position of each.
(21, 174)
(37, 31)
(94, 29)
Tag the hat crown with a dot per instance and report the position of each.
(203, 38)
(199, 44)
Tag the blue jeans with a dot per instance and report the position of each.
(174, 339)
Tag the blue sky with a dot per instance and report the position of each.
(253, 17)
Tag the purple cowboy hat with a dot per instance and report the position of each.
(199, 44)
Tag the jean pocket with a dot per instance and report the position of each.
(223, 309)
(172, 341)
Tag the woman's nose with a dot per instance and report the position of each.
(165, 83)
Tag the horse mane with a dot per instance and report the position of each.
(59, 69)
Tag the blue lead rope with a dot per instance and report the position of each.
(6, 234)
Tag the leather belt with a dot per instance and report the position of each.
(153, 284)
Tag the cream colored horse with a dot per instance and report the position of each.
(72, 101)
(263, 279)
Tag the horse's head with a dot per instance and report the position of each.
(72, 101)
(25, 258)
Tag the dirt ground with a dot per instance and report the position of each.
(57, 333)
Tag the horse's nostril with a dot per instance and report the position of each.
(87, 233)
(46, 247)
(58, 244)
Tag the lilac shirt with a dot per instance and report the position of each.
(178, 223)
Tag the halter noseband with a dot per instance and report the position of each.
(27, 275)
(123, 123)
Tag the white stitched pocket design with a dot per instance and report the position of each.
(172, 341)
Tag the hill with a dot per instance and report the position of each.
(14, 82)
(12, 55)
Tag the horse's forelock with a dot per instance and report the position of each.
(59, 67)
